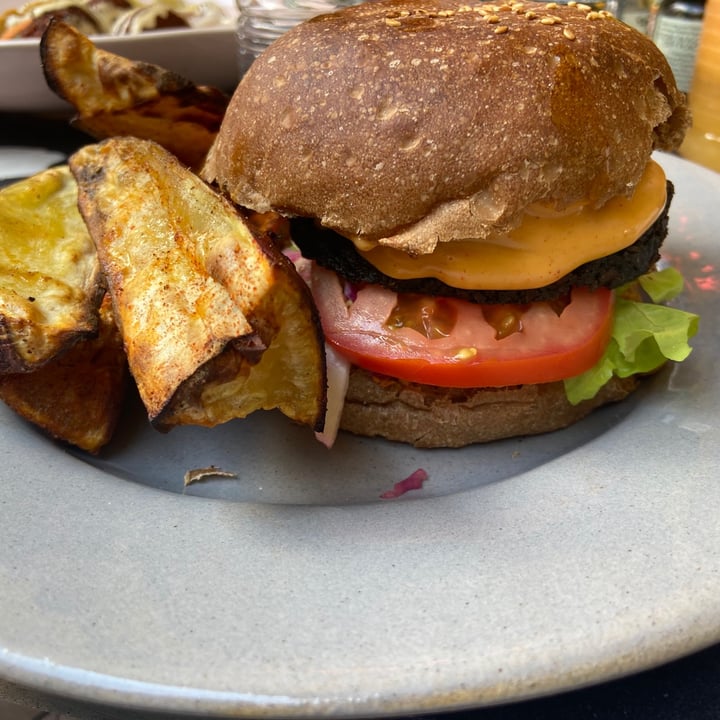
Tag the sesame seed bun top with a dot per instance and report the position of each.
(409, 122)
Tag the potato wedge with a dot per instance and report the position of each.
(50, 280)
(215, 324)
(78, 395)
(113, 95)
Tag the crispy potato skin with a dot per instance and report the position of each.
(50, 279)
(215, 325)
(77, 396)
(115, 96)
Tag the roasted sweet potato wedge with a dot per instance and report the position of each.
(216, 324)
(113, 96)
(50, 280)
(77, 396)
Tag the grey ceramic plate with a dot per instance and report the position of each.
(521, 568)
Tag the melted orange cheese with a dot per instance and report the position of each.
(544, 248)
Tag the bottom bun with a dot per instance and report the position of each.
(426, 416)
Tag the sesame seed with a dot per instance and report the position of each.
(392, 22)
(501, 29)
(465, 353)
(548, 21)
(492, 19)
(568, 33)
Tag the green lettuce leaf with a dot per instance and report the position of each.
(661, 285)
(644, 336)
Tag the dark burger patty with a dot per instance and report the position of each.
(337, 253)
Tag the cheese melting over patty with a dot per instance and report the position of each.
(544, 248)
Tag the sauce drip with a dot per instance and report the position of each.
(433, 317)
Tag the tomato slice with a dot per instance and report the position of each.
(454, 343)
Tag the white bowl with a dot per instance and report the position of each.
(205, 55)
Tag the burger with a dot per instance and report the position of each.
(477, 206)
